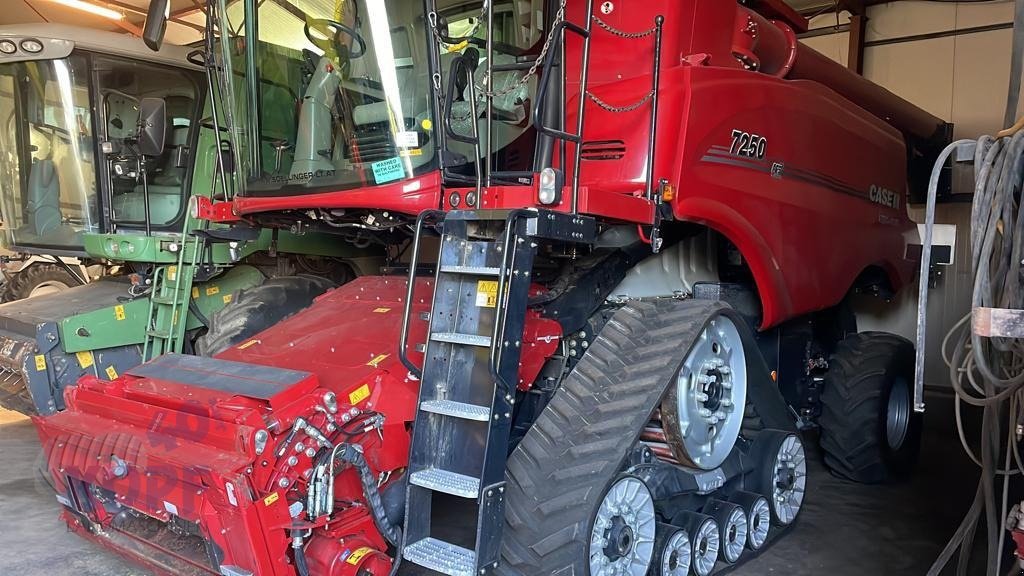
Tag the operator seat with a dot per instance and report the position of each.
(165, 191)
(42, 206)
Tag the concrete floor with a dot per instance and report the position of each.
(845, 529)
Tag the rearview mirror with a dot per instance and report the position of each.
(156, 23)
(152, 126)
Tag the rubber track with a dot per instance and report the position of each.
(560, 470)
(851, 435)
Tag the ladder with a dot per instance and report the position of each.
(470, 372)
(169, 297)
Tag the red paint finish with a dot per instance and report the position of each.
(190, 451)
(406, 197)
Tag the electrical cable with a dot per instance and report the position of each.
(988, 373)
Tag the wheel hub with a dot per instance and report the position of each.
(622, 540)
(703, 413)
(675, 559)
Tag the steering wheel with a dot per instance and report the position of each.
(333, 29)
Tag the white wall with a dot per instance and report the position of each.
(962, 79)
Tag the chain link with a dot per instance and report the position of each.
(628, 35)
(621, 109)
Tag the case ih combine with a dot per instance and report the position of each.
(647, 218)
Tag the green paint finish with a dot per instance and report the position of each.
(109, 327)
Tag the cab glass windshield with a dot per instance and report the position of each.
(47, 153)
(344, 99)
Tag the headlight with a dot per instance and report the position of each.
(32, 46)
(549, 189)
(8, 47)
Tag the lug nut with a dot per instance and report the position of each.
(284, 482)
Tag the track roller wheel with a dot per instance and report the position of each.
(781, 476)
(672, 551)
(732, 528)
(705, 539)
(622, 540)
(759, 517)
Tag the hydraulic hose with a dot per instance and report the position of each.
(301, 566)
(989, 372)
(350, 454)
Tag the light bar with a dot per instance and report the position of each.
(92, 9)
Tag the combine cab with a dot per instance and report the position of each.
(640, 227)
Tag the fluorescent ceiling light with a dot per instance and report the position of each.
(92, 9)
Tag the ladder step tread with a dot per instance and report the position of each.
(472, 270)
(448, 482)
(158, 333)
(163, 299)
(457, 409)
(460, 338)
(442, 557)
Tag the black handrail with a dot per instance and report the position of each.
(501, 308)
(403, 339)
(545, 81)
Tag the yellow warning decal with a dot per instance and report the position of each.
(40, 362)
(382, 310)
(377, 360)
(213, 290)
(358, 555)
(271, 499)
(172, 272)
(119, 312)
(226, 298)
(247, 344)
(111, 372)
(195, 293)
(359, 394)
(413, 152)
(85, 359)
(487, 293)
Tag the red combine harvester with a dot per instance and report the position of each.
(647, 220)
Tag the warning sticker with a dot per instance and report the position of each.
(359, 394)
(85, 359)
(119, 312)
(213, 290)
(377, 360)
(409, 139)
(381, 310)
(172, 272)
(226, 298)
(40, 362)
(195, 293)
(487, 293)
(271, 499)
(111, 372)
(388, 170)
(356, 557)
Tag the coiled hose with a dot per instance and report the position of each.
(989, 372)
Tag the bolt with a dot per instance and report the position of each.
(701, 397)
(704, 412)
(292, 461)
(725, 370)
(283, 482)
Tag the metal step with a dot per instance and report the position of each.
(448, 482)
(442, 557)
(457, 409)
(163, 299)
(459, 338)
(472, 270)
(162, 334)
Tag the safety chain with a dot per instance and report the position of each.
(628, 35)
(531, 72)
(621, 109)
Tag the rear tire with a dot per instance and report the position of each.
(253, 310)
(36, 279)
(869, 430)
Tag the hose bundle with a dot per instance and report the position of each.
(988, 373)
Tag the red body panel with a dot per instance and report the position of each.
(190, 450)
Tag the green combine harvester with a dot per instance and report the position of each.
(103, 143)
